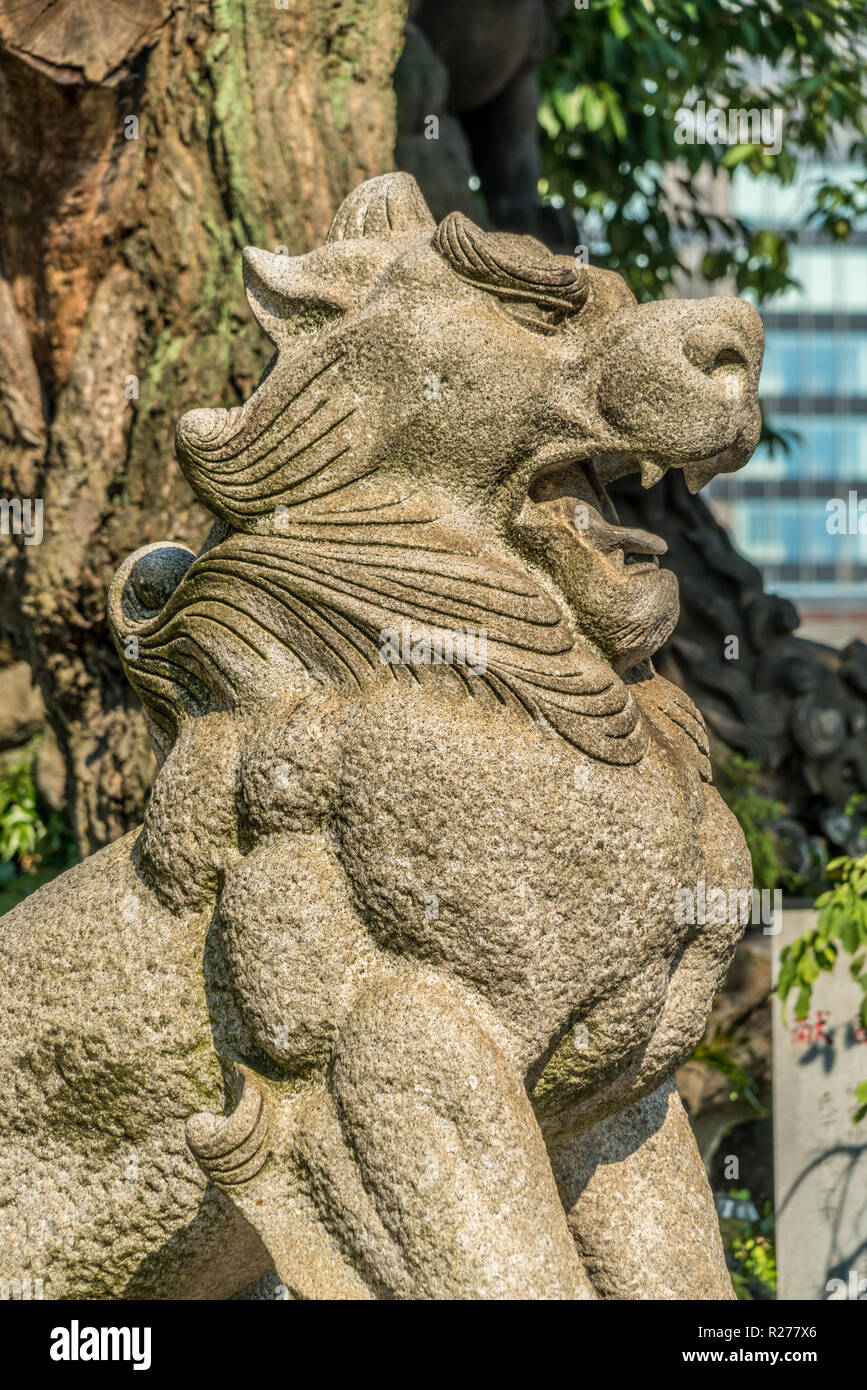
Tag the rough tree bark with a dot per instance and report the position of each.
(142, 144)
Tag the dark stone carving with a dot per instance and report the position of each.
(798, 707)
(473, 65)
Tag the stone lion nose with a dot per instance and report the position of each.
(725, 337)
(680, 380)
(714, 347)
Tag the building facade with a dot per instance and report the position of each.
(795, 513)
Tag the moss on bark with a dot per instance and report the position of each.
(120, 260)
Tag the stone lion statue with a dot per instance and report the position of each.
(387, 992)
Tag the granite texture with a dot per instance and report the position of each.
(388, 991)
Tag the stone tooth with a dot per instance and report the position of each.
(698, 475)
(651, 472)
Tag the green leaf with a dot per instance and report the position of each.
(850, 934)
(619, 23)
(568, 105)
(738, 154)
(547, 119)
(829, 920)
(594, 111)
(616, 117)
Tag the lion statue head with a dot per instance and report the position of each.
(430, 445)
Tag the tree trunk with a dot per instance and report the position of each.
(142, 146)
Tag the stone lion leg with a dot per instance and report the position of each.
(639, 1204)
(448, 1147)
(418, 1171)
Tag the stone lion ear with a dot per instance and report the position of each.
(292, 295)
(384, 208)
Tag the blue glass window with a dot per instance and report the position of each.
(806, 363)
(828, 449)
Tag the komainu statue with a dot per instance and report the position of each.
(387, 992)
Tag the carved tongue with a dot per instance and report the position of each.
(607, 539)
(629, 540)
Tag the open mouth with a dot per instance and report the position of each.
(574, 495)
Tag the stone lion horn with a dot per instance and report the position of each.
(388, 991)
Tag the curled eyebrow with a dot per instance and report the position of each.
(514, 267)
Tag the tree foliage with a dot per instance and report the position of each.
(841, 926)
(610, 95)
